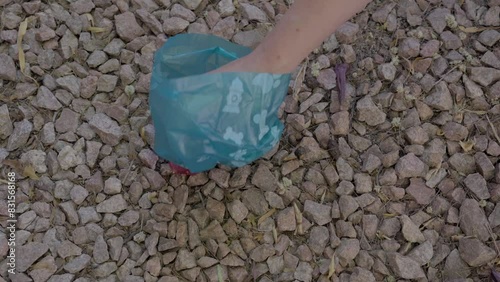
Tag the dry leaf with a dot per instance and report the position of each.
(323, 197)
(476, 112)
(275, 234)
(298, 218)
(331, 268)
(474, 29)
(22, 31)
(266, 216)
(467, 145)
(96, 29)
(29, 171)
(90, 19)
(22, 60)
(219, 273)
(143, 134)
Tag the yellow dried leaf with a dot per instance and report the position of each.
(251, 220)
(331, 268)
(298, 219)
(90, 19)
(439, 132)
(29, 171)
(266, 216)
(219, 273)
(474, 29)
(22, 31)
(143, 134)
(96, 29)
(258, 237)
(323, 197)
(476, 112)
(467, 145)
(153, 197)
(22, 60)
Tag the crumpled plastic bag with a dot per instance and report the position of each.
(202, 119)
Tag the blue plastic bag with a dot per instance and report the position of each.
(204, 119)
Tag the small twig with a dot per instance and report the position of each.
(297, 83)
(444, 76)
(488, 227)
(493, 129)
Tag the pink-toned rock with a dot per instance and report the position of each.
(454, 131)
(437, 19)
(477, 185)
(346, 33)
(225, 28)
(382, 13)
(430, 48)
(340, 123)
(44, 33)
(473, 221)
(148, 158)
(489, 37)
(440, 98)
(451, 41)
(253, 13)
(387, 71)
(368, 112)
(327, 79)
(108, 129)
(474, 252)
(422, 194)
(410, 166)
(416, 135)
(405, 267)
(82, 6)
(7, 68)
(127, 27)
(484, 76)
(409, 47)
(150, 21)
(174, 25)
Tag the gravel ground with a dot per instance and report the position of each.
(397, 181)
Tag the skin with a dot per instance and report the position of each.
(302, 29)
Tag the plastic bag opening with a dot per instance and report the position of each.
(203, 119)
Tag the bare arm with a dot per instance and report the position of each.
(302, 29)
